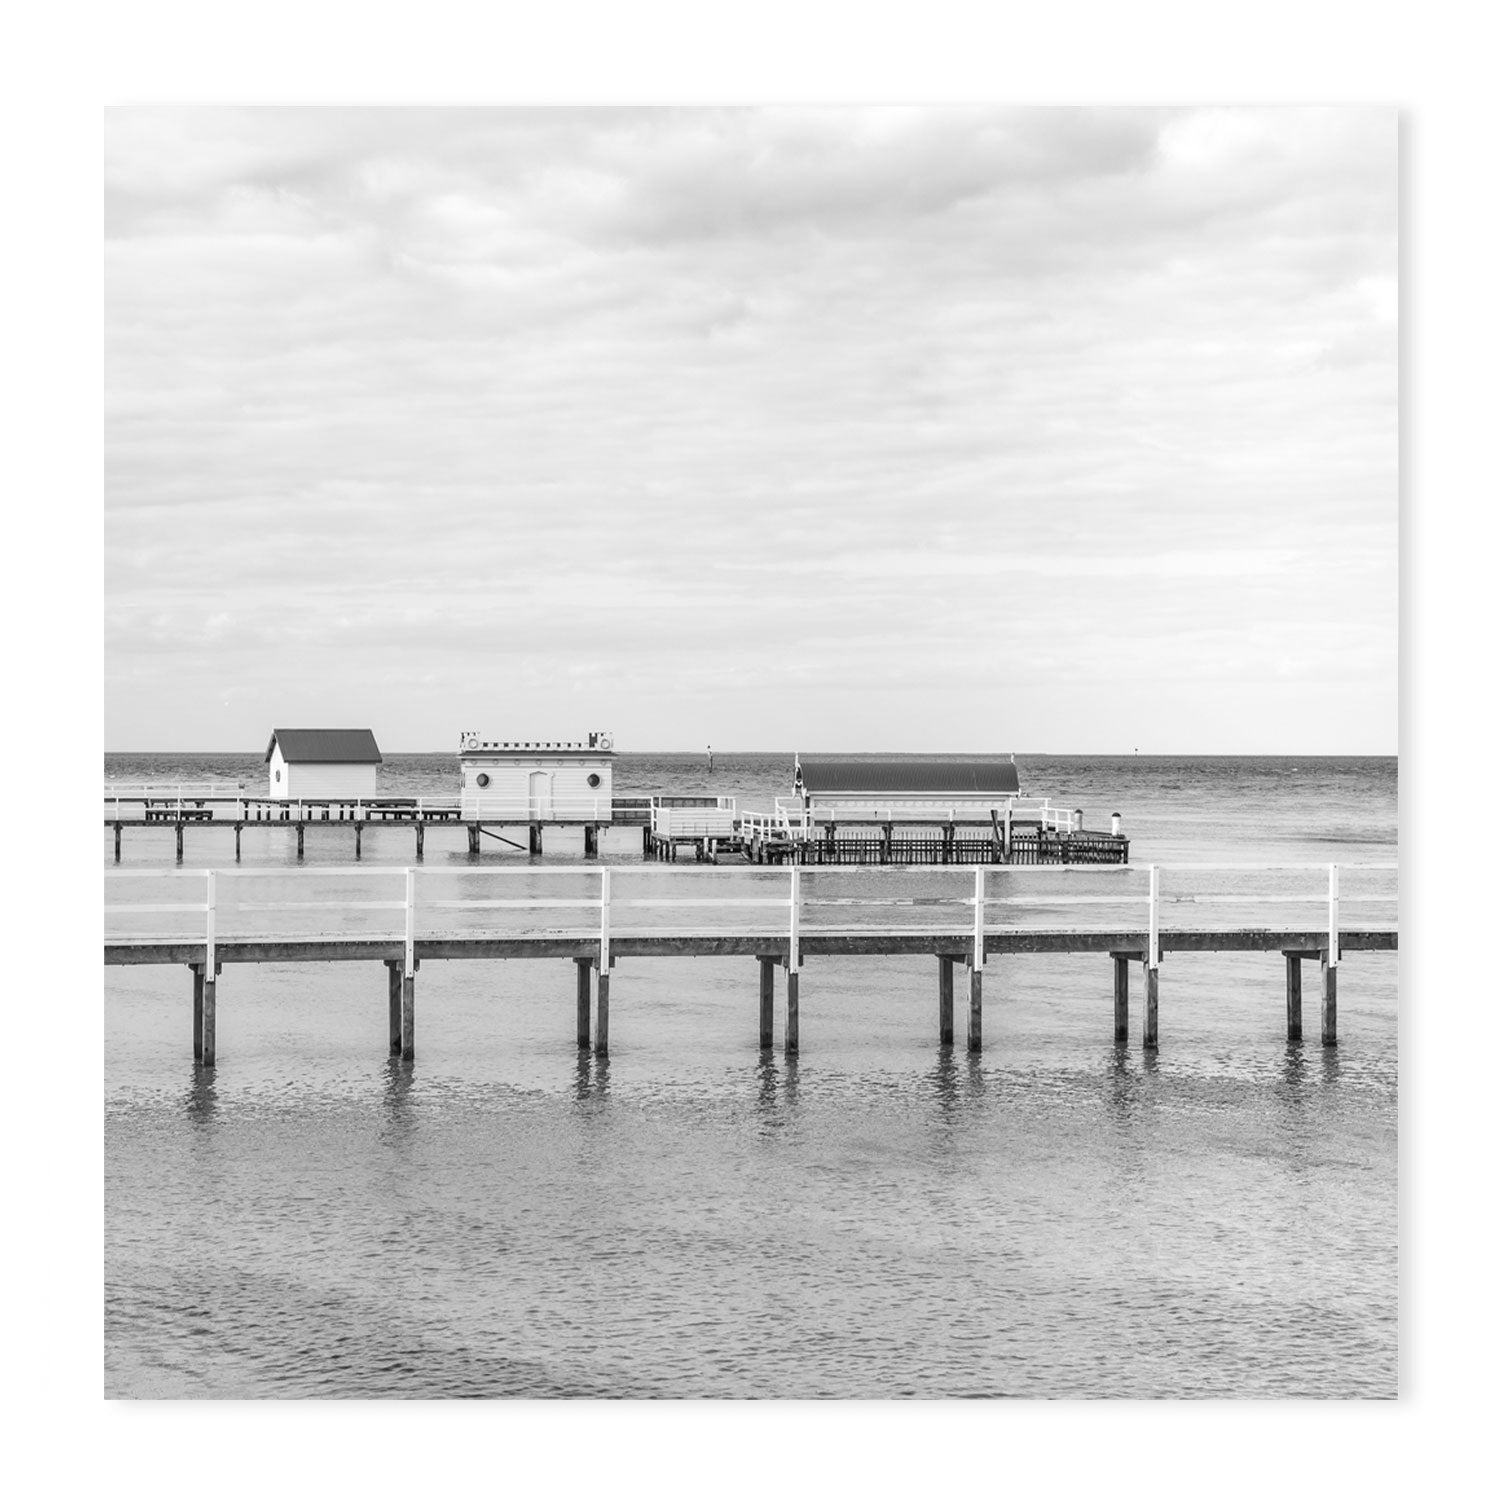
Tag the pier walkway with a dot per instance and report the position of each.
(1029, 832)
(402, 916)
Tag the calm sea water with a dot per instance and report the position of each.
(1056, 1217)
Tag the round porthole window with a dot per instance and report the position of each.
(593, 778)
(482, 779)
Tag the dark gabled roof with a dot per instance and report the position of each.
(909, 775)
(344, 747)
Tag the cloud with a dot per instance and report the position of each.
(713, 394)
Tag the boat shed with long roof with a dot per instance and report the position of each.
(827, 779)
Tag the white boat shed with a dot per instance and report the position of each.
(322, 763)
(537, 781)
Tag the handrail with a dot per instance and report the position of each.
(598, 881)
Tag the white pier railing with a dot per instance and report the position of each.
(694, 817)
(332, 902)
(794, 820)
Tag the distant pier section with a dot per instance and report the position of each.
(849, 810)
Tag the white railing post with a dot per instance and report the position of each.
(979, 918)
(794, 903)
(1333, 914)
(410, 967)
(210, 936)
(604, 899)
(1153, 947)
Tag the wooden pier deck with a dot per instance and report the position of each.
(877, 839)
(1006, 912)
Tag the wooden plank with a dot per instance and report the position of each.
(1122, 996)
(585, 969)
(210, 1016)
(767, 1002)
(408, 1017)
(1329, 973)
(601, 1031)
(197, 1012)
(793, 978)
(393, 1004)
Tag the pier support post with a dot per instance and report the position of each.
(117, 843)
(197, 1012)
(393, 1003)
(792, 978)
(1294, 997)
(1330, 987)
(976, 1010)
(585, 969)
(359, 829)
(473, 838)
(1148, 1033)
(1122, 996)
(408, 1017)
(205, 1013)
(421, 830)
(179, 843)
(646, 842)
(238, 827)
(945, 1001)
(767, 1003)
(301, 829)
(591, 841)
(536, 838)
(601, 1029)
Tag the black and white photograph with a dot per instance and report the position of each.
(750, 751)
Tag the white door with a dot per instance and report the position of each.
(541, 794)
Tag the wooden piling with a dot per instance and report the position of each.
(179, 843)
(393, 1003)
(1122, 996)
(767, 1003)
(117, 843)
(945, 1001)
(1294, 997)
(210, 1008)
(976, 1010)
(590, 840)
(473, 838)
(601, 1029)
(237, 829)
(359, 829)
(421, 829)
(536, 838)
(408, 1017)
(585, 968)
(792, 977)
(300, 830)
(197, 1012)
(646, 843)
(1148, 1033)
(1330, 995)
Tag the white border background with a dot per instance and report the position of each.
(1433, 61)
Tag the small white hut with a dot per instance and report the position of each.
(537, 781)
(322, 764)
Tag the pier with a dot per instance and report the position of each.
(958, 916)
(706, 830)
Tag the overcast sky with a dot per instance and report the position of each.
(934, 429)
